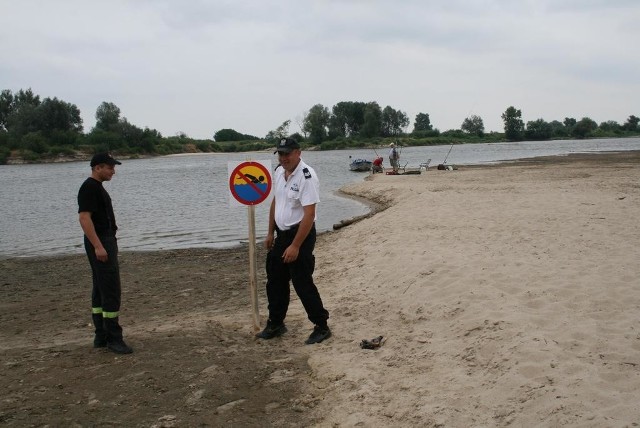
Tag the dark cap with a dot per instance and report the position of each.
(286, 145)
(99, 158)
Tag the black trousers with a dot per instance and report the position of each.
(106, 291)
(300, 273)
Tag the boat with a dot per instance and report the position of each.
(360, 165)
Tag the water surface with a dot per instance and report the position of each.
(183, 201)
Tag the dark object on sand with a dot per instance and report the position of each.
(373, 343)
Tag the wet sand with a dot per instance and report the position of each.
(507, 295)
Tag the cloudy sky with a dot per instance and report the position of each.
(197, 66)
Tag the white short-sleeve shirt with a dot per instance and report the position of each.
(301, 189)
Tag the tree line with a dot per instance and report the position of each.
(368, 120)
(515, 129)
(32, 129)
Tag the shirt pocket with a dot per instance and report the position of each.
(293, 197)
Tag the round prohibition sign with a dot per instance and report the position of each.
(250, 183)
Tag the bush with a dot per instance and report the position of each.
(104, 141)
(426, 134)
(30, 156)
(4, 155)
(230, 148)
(64, 138)
(34, 142)
(458, 133)
(333, 145)
(203, 146)
(62, 150)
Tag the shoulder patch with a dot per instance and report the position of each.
(307, 174)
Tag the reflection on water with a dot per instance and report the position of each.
(183, 201)
(160, 203)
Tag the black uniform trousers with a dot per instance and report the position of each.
(300, 273)
(106, 291)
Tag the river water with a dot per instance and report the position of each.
(183, 201)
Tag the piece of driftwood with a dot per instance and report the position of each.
(349, 221)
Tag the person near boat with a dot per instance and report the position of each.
(377, 165)
(394, 157)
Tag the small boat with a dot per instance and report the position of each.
(360, 165)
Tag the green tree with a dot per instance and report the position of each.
(104, 141)
(149, 140)
(473, 125)
(38, 128)
(584, 127)
(297, 136)
(402, 123)
(422, 123)
(538, 130)
(372, 125)
(24, 113)
(569, 123)
(316, 123)
(27, 97)
(347, 119)
(394, 122)
(558, 130)
(338, 121)
(20, 115)
(513, 124)
(281, 131)
(68, 139)
(631, 124)
(132, 137)
(34, 142)
(610, 126)
(107, 116)
(227, 134)
(23, 120)
(6, 105)
(57, 115)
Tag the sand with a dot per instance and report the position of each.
(507, 296)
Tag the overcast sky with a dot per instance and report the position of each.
(197, 66)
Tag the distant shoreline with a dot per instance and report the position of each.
(85, 157)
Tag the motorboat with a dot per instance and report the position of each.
(360, 165)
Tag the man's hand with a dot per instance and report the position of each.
(268, 242)
(290, 255)
(101, 254)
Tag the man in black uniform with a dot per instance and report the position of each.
(99, 226)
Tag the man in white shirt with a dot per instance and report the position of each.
(394, 157)
(290, 258)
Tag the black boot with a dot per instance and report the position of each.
(100, 339)
(115, 343)
(272, 330)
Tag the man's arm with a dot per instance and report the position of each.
(291, 253)
(90, 232)
(268, 242)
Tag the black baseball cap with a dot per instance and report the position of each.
(286, 145)
(99, 158)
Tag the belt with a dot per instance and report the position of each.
(292, 229)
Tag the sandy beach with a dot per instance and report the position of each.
(507, 295)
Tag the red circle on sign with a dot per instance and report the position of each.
(252, 190)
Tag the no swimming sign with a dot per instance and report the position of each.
(250, 182)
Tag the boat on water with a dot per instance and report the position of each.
(360, 165)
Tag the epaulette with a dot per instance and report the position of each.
(307, 174)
